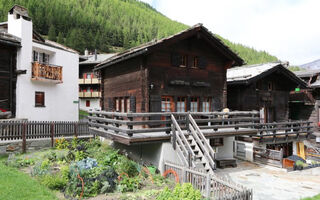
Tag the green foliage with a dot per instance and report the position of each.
(18, 162)
(299, 163)
(127, 166)
(60, 38)
(129, 184)
(54, 181)
(52, 33)
(184, 192)
(295, 68)
(61, 143)
(317, 197)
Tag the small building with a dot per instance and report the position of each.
(266, 88)
(90, 82)
(42, 74)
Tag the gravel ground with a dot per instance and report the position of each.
(271, 183)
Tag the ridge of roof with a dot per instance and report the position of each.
(143, 48)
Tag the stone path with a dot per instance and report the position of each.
(273, 183)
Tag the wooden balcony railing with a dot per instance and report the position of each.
(45, 72)
(90, 94)
(89, 81)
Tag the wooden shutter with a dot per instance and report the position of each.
(155, 105)
(202, 62)
(39, 99)
(110, 104)
(175, 60)
(133, 104)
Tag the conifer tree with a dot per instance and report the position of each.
(52, 33)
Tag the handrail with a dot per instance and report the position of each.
(203, 141)
(186, 144)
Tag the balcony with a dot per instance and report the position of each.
(89, 81)
(89, 94)
(46, 72)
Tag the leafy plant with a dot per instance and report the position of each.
(61, 143)
(129, 184)
(127, 166)
(184, 192)
(54, 182)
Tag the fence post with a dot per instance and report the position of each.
(168, 124)
(24, 142)
(52, 134)
(184, 177)
(281, 157)
(174, 136)
(188, 122)
(75, 130)
(208, 186)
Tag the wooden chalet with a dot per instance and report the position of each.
(9, 45)
(263, 87)
(184, 72)
(266, 88)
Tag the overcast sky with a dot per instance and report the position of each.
(288, 29)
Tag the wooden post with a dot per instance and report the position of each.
(24, 142)
(281, 157)
(75, 130)
(188, 122)
(208, 186)
(184, 177)
(174, 136)
(117, 124)
(189, 159)
(130, 127)
(168, 124)
(52, 134)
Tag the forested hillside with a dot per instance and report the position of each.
(101, 24)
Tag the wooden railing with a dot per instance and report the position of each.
(90, 94)
(46, 72)
(211, 187)
(268, 156)
(135, 123)
(27, 130)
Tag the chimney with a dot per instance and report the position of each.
(95, 54)
(86, 52)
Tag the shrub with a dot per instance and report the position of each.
(13, 161)
(61, 143)
(54, 182)
(184, 192)
(127, 166)
(129, 184)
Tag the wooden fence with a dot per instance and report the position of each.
(211, 187)
(268, 156)
(26, 130)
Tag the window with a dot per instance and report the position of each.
(195, 62)
(88, 76)
(166, 104)
(206, 105)
(122, 104)
(184, 61)
(216, 142)
(39, 99)
(40, 57)
(194, 104)
(181, 104)
(87, 103)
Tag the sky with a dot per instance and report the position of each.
(288, 29)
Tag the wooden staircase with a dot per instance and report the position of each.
(192, 146)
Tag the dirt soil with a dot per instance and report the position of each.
(273, 183)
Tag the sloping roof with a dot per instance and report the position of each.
(307, 73)
(56, 45)
(249, 73)
(90, 59)
(6, 38)
(147, 47)
(20, 10)
(316, 84)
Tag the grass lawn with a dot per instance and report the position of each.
(317, 197)
(18, 185)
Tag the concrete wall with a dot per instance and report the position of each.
(94, 104)
(225, 151)
(58, 97)
(150, 154)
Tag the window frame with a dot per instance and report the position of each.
(180, 101)
(205, 101)
(88, 104)
(39, 104)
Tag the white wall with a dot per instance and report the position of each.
(225, 151)
(58, 97)
(94, 104)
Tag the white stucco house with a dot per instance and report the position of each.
(47, 83)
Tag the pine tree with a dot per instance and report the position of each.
(60, 38)
(52, 33)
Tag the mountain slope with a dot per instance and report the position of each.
(100, 24)
(314, 65)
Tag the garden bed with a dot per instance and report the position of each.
(91, 169)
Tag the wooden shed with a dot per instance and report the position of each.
(183, 72)
(264, 87)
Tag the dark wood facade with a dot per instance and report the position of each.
(186, 72)
(8, 77)
(267, 92)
